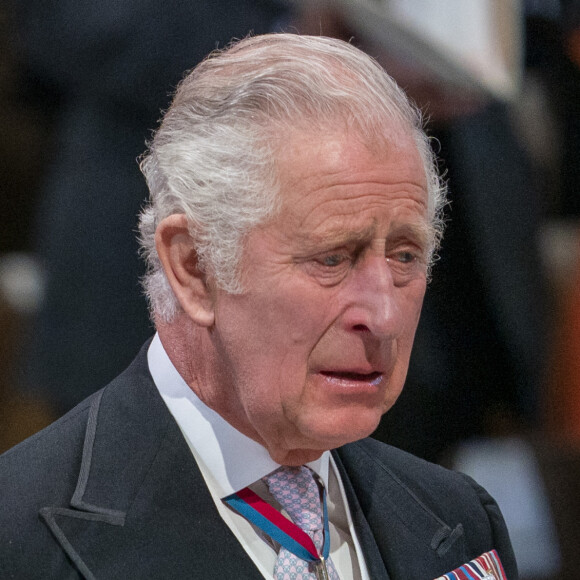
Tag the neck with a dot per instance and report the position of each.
(295, 457)
(191, 355)
(183, 342)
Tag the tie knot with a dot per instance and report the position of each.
(296, 490)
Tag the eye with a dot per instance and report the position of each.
(406, 264)
(332, 260)
(405, 257)
(329, 268)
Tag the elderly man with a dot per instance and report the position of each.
(295, 207)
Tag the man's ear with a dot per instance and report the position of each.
(176, 251)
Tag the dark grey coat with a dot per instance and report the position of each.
(111, 490)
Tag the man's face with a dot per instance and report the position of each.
(316, 348)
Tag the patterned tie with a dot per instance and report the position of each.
(297, 492)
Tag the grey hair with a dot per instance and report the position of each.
(214, 156)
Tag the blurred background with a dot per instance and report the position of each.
(494, 383)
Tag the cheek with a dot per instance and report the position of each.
(416, 307)
(412, 303)
(294, 316)
(275, 337)
(291, 335)
(407, 338)
(405, 342)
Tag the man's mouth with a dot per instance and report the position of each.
(353, 376)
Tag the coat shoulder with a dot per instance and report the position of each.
(44, 471)
(39, 472)
(425, 479)
(45, 467)
(25, 470)
(379, 471)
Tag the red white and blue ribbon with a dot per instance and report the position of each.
(278, 527)
(488, 566)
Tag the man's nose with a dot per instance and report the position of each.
(374, 299)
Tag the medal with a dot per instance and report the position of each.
(320, 569)
(488, 566)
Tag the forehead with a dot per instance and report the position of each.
(331, 179)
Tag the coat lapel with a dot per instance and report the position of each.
(373, 559)
(141, 508)
(400, 536)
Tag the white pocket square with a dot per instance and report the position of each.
(485, 567)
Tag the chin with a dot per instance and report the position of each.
(335, 431)
(323, 435)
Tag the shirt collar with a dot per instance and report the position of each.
(233, 460)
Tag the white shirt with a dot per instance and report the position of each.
(230, 461)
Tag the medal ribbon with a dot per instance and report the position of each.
(278, 527)
(488, 566)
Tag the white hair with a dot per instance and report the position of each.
(214, 156)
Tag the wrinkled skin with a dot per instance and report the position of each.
(316, 348)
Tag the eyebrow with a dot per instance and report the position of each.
(422, 232)
(335, 237)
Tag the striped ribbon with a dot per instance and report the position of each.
(488, 566)
(278, 527)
